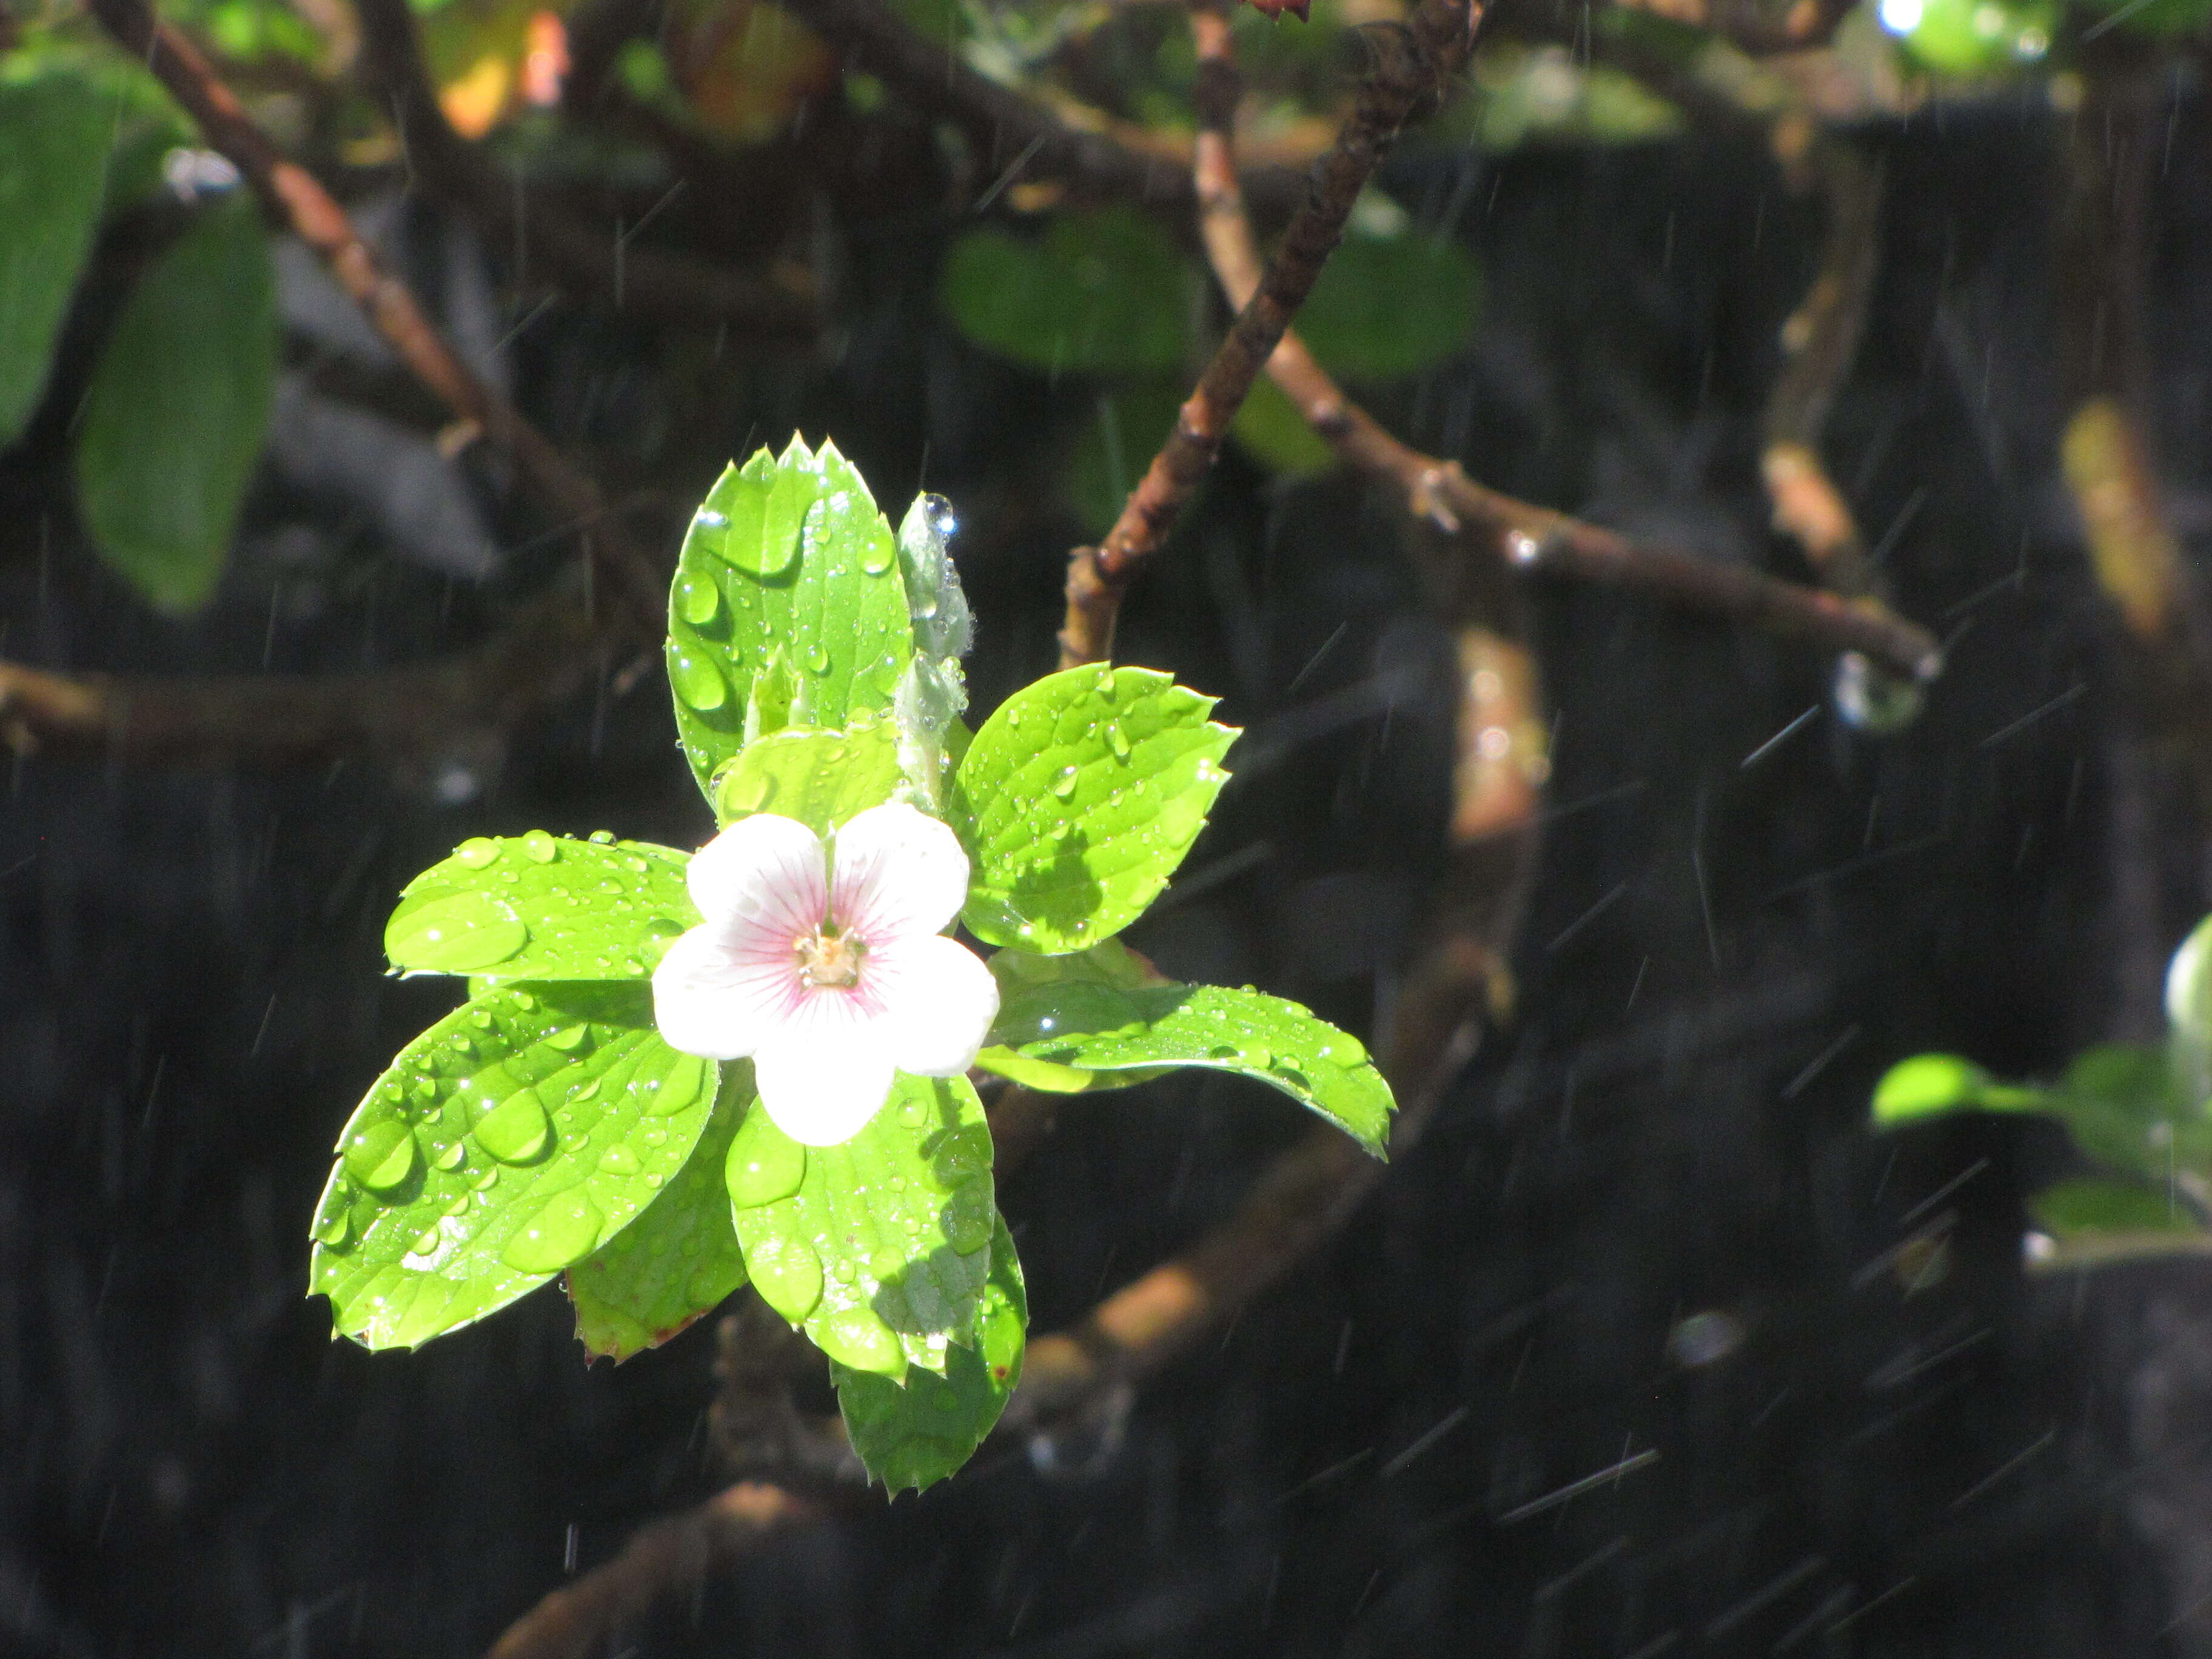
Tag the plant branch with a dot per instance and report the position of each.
(1757, 27)
(292, 198)
(1413, 64)
(1819, 344)
(577, 1618)
(645, 280)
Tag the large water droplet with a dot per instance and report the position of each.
(516, 1130)
(685, 1081)
(786, 1274)
(332, 1230)
(968, 1218)
(1063, 783)
(696, 676)
(858, 1338)
(540, 847)
(619, 1160)
(698, 599)
(565, 1229)
(878, 556)
(817, 656)
(765, 1164)
(963, 1154)
(381, 1155)
(477, 851)
(451, 1156)
(427, 1242)
(568, 1039)
(456, 935)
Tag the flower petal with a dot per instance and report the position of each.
(762, 881)
(899, 871)
(709, 1000)
(823, 1093)
(939, 1000)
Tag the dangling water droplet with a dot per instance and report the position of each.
(1117, 740)
(763, 1163)
(1063, 783)
(859, 1338)
(786, 1274)
(1105, 681)
(696, 678)
(516, 1130)
(698, 599)
(381, 1155)
(477, 851)
(619, 1160)
(540, 847)
(564, 1230)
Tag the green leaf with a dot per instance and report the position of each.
(1389, 307)
(2089, 1208)
(178, 405)
(917, 1435)
(677, 1260)
(1926, 1085)
(820, 778)
(508, 1141)
(54, 132)
(782, 612)
(879, 1247)
(1105, 1028)
(1272, 430)
(543, 906)
(1100, 292)
(1077, 799)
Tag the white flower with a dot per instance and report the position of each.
(824, 964)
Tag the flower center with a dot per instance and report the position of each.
(830, 956)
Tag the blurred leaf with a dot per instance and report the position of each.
(1111, 450)
(917, 1435)
(820, 778)
(1973, 37)
(53, 133)
(543, 906)
(2155, 19)
(508, 1141)
(2071, 1210)
(1100, 1028)
(1387, 307)
(1100, 292)
(878, 1246)
(1271, 431)
(1527, 93)
(174, 418)
(678, 1259)
(1079, 799)
(781, 614)
(746, 66)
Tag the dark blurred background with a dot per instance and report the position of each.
(1648, 1219)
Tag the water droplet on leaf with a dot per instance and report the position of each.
(381, 1155)
(858, 1338)
(565, 1229)
(619, 1160)
(697, 679)
(540, 847)
(765, 1164)
(1063, 783)
(698, 599)
(516, 1130)
(786, 1274)
(477, 851)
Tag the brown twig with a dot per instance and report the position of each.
(645, 280)
(1413, 64)
(1820, 342)
(577, 1618)
(292, 198)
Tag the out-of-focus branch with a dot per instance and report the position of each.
(1820, 342)
(1757, 27)
(576, 1619)
(645, 280)
(292, 196)
(2107, 453)
(1413, 64)
(418, 719)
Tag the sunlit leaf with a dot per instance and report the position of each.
(820, 778)
(509, 1141)
(1104, 1028)
(916, 1435)
(786, 609)
(677, 1260)
(174, 418)
(879, 1247)
(1079, 799)
(543, 906)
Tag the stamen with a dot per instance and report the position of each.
(828, 957)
